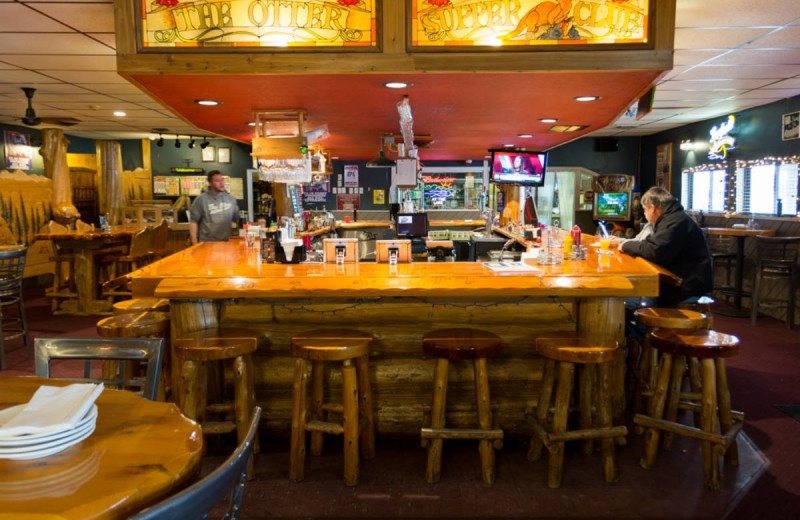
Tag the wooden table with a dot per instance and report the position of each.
(84, 247)
(141, 452)
(221, 283)
(741, 234)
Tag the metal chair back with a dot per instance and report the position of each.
(197, 500)
(12, 264)
(150, 350)
(777, 256)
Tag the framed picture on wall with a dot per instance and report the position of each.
(791, 126)
(664, 165)
(209, 153)
(224, 155)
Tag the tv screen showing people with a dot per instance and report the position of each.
(412, 225)
(612, 206)
(519, 167)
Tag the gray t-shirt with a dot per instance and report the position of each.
(213, 212)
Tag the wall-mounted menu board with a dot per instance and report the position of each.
(462, 24)
(172, 186)
(273, 24)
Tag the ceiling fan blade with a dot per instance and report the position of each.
(59, 121)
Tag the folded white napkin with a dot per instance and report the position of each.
(52, 409)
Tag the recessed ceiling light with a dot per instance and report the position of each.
(525, 136)
(396, 84)
(251, 123)
(567, 128)
(335, 158)
(207, 102)
(587, 98)
(548, 120)
(119, 113)
(508, 145)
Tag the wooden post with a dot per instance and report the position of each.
(54, 152)
(511, 194)
(110, 183)
(603, 319)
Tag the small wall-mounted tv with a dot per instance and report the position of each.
(518, 167)
(411, 225)
(612, 206)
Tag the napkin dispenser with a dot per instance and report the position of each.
(290, 251)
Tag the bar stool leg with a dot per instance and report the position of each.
(251, 385)
(604, 421)
(542, 409)
(191, 400)
(365, 408)
(485, 447)
(673, 396)
(566, 373)
(350, 422)
(708, 412)
(440, 375)
(317, 400)
(656, 411)
(297, 452)
(756, 296)
(725, 417)
(585, 384)
(695, 382)
(243, 401)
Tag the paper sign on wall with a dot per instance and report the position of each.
(377, 197)
(351, 176)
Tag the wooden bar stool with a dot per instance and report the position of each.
(719, 425)
(561, 354)
(136, 305)
(150, 324)
(703, 305)
(461, 344)
(358, 423)
(196, 350)
(645, 364)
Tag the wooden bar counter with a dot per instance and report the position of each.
(222, 283)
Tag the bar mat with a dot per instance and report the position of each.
(792, 410)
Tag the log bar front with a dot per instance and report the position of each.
(224, 284)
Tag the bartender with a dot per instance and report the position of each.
(212, 212)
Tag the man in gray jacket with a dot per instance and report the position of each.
(212, 212)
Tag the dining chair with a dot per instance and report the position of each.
(121, 350)
(12, 265)
(229, 478)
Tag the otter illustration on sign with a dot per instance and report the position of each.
(547, 20)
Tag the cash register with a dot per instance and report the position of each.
(413, 226)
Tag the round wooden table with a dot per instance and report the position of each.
(141, 452)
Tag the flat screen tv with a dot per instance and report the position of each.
(411, 225)
(518, 167)
(612, 206)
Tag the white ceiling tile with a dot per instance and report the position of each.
(675, 72)
(82, 17)
(18, 17)
(70, 99)
(693, 57)
(107, 38)
(42, 62)
(748, 56)
(76, 76)
(7, 66)
(747, 72)
(786, 38)
(715, 84)
(708, 95)
(737, 13)
(110, 88)
(716, 38)
(25, 77)
(677, 103)
(763, 93)
(787, 83)
(51, 43)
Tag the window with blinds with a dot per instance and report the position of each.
(759, 188)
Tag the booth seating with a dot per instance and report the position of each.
(461, 344)
(645, 366)
(719, 425)
(137, 325)
(137, 305)
(352, 349)
(594, 359)
(776, 259)
(195, 352)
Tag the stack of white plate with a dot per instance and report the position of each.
(37, 445)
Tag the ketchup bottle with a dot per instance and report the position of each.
(576, 235)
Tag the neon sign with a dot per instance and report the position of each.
(721, 140)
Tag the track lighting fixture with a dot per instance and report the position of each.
(160, 141)
(177, 141)
(204, 143)
(191, 142)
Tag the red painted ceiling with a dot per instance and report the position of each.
(465, 113)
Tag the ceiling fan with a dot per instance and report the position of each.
(31, 119)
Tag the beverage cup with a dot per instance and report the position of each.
(605, 244)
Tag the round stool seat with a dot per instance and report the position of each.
(331, 344)
(141, 305)
(136, 325)
(576, 349)
(461, 344)
(704, 304)
(217, 345)
(696, 343)
(670, 318)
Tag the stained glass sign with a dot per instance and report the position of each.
(259, 23)
(507, 23)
